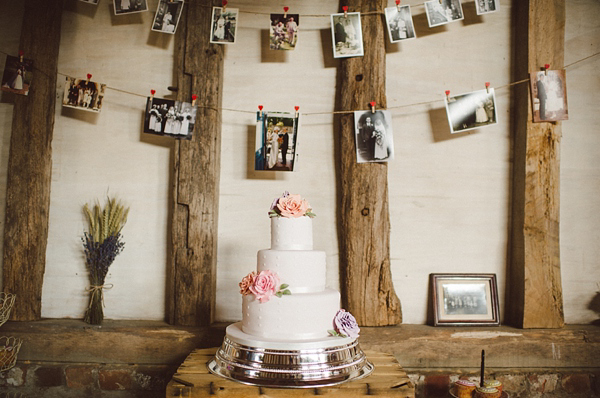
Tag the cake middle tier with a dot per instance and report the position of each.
(292, 317)
(303, 270)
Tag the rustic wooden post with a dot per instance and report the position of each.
(367, 289)
(30, 162)
(534, 291)
(192, 281)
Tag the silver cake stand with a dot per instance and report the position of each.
(307, 368)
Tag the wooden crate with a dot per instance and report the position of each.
(193, 380)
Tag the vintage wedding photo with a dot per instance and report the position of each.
(167, 16)
(83, 94)
(346, 32)
(373, 135)
(399, 23)
(276, 137)
(170, 118)
(441, 12)
(486, 6)
(17, 75)
(472, 110)
(283, 31)
(129, 6)
(549, 96)
(224, 25)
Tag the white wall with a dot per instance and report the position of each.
(449, 194)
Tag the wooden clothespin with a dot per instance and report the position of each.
(89, 76)
(260, 112)
(296, 108)
(487, 87)
(345, 8)
(546, 67)
(152, 92)
(224, 5)
(447, 94)
(21, 55)
(398, 5)
(285, 10)
(194, 98)
(372, 103)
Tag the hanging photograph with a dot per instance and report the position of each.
(549, 96)
(17, 75)
(472, 110)
(123, 7)
(441, 12)
(486, 6)
(170, 118)
(283, 31)
(83, 94)
(399, 23)
(374, 137)
(346, 33)
(276, 137)
(224, 25)
(95, 2)
(167, 16)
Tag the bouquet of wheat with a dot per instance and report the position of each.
(101, 244)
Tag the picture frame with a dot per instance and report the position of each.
(471, 110)
(549, 96)
(399, 23)
(442, 12)
(167, 16)
(373, 136)
(346, 35)
(465, 300)
(224, 26)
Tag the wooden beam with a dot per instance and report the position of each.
(30, 162)
(193, 270)
(367, 289)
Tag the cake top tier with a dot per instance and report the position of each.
(291, 224)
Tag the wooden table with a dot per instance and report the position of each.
(193, 380)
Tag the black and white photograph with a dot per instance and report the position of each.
(346, 33)
(486, 6)
(83, 94)
(549, 96)
(170, 118)
(472, 110)
(95, 2)
(224, 25)
(399, 23)
(465, 299)
(17, 76)
(167, 16)
(123, 7)
(283, 31)
(373, 135)
(441, 12)
(276, 138)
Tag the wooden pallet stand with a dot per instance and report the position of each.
(193, 380)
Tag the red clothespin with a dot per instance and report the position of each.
(345, 8)
(296, 108)
(546, 67)
(194, 98)
(285, 10)
(89, 76)
(372, 103)
(224, 5)
(152, 92)
(21, 54)
(487, 87)
(447, 93)
(398, 5)
(260, 108)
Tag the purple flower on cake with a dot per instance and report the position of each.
(290, 206)
(265, 285)
(344, 325)
(246, 282)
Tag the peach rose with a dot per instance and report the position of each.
(246, 282)
(292, 206)
(265, 285)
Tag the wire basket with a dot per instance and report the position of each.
(7, 300)
(9, 348)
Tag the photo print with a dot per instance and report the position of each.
(167, 16)
(123, 7)
(399, 23)
(486, 6)
(472, 110)
(283, 31)
(549, 96)
(441, 12)
(276, 137)
(83, 94)
(373, 135)
(170, 118)
(224, 25)
(17, 75)
(346, 32)
(95, 2)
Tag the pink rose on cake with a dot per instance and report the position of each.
(246, 282)
(290, 206)
(265, 285)
(344, 325)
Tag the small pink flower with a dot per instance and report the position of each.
(292, 206)
(246, 282)
(265, 285)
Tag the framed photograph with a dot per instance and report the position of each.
(129, 6)
(283, 31)
(276, 138)
(465, 299)
(346, 33)
(399, 23)
(17, 75)
(170, 118)
(167, 16)
(373, 136)
(83, 94)
(472, 110)
(549, 96)
(224, 25)
(441, 12)
(486, 6)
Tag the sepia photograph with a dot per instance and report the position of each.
(472, 110)
(486, 6)
(549, 96)
(346, 33)
(399, 23)
(283, 31)
(123, 7)
(276, 137)
(17, 76)
(224, 25)
(170, 118)
(373, 136)
(441, 12)
(167, 16)
(83, 94)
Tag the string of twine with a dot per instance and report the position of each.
(97, 289)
